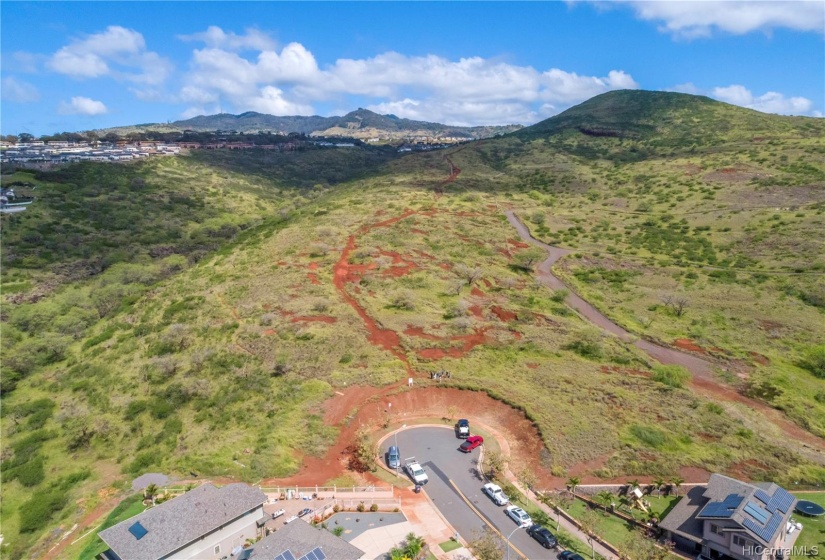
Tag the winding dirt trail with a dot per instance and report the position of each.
(704, 380)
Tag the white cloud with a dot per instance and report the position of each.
(470, 90)
(19, 91)
(215, 37)
(687, 87)
(691, 19)
(770, 102)
(117, 52)
(82, 106)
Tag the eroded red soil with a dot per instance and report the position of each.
(503, 315)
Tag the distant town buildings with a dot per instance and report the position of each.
(66, 152)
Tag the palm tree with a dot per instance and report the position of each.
(658, 483)
(413, 545)
(573, 482)
(150, 492)
(395, 553)
(677, 482)
(605, 498)
(633, 484)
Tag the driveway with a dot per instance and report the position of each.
(453, 474)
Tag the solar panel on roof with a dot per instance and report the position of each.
(757, 512)
(314, 554)
(285, 555)
(762, 496)
(781, 500)
(138, 530)
(767, 532)
(723, 509)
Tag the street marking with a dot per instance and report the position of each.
(486, 521)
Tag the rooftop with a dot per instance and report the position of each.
(300, 539)
(172, 525)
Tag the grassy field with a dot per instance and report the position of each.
(143, 317)
(813, 532)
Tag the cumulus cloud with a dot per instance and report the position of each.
(82, 106)
(117, 52)
(470, 90)
(770, 102)
(215, 37)
(688, 20)
(19, 91)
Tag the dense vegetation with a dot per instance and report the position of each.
(150, 308)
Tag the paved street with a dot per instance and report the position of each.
(437, 451)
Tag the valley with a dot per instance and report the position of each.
(644, 303)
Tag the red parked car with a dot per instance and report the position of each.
(471, 443)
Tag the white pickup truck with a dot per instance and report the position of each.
(415, 472)
(495, 493)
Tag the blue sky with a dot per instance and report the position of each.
(69, 66)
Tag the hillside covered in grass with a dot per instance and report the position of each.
(193, 314)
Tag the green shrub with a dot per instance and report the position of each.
(814, 360)
(648, 435)
(40, 508)
(671, 375)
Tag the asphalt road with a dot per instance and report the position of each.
(436, 449)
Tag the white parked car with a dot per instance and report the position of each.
(518, 515)
(415, 471)
(496, 494)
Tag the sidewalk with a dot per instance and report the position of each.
(427, 522)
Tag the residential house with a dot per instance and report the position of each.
(301, 541)
(206, 523)
(730, 519)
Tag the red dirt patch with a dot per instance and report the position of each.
(477, 311)
(487, 283)
(313, 278)
(759, 358)
(532, 365)
(470, 341)
(503, 314)
(689, 345)
(519, 244)
(477, 293)
(313, 266)
(419, 231)
(445, 266)
(517, 335)
(419, 332)
(269, 332)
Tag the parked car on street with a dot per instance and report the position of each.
(303, 512)
(471, 443)
(569, 555)
(415, 472)
(518, 515)
(496, 493)
(279, 513)
(393, 457)
(544, 537)
(462, 428)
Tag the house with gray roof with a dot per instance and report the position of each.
(734, 520)
(301, 541)
(207, 523)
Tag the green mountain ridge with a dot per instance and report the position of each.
(358, 122)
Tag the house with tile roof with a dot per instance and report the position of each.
(301, 541)
(207, 523)
(735, 520)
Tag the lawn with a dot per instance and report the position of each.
(129, 507)
(813, 531)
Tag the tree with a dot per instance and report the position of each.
(413, 545)
(528, 258)
(486, 545)
(676, 303)
(659, 483)
(814, 360)
(605, 498)
(495, 462)
(676, 481)
(588, 522)
(150, 492)
(632, 485)
(572, 483)
(470, 275)
(527, 478)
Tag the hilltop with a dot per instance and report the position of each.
(242, 314)
(362, 124)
